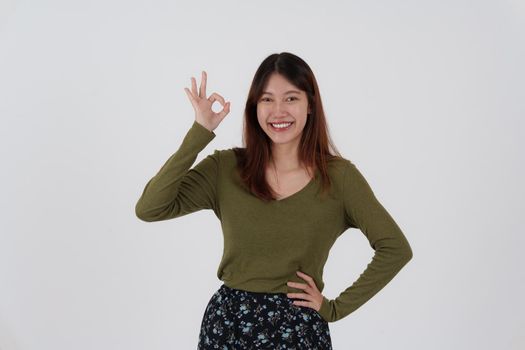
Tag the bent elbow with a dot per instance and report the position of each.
(141, 213)
(406, 253)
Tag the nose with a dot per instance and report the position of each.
(278, 108)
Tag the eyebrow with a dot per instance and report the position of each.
(287, 92)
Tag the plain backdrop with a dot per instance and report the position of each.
(427, 98)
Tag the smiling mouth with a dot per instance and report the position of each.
(280, 126)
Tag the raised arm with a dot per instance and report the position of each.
(392, 250)
(177, 189)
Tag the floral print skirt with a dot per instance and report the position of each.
(236, 319)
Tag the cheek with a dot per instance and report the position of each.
(261, 110)
(262, 113)
(260, 117)
(299, 110)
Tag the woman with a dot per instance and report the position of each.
(282, 201)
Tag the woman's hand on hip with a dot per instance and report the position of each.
(312, 296)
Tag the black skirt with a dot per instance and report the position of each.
(236, 319)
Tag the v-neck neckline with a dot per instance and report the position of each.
(299, 192)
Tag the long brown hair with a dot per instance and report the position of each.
(315, 145)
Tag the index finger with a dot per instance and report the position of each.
(297, 285)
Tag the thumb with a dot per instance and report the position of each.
(224, 111)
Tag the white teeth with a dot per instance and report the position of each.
(281, 125)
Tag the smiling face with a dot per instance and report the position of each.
(282, 103)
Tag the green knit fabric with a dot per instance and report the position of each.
(266, 243)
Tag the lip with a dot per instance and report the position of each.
(281, 129)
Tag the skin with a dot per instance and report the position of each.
(204, 115)
(275, 105)
(278, 105)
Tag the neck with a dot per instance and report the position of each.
(285, 157)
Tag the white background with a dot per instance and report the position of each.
(425, 97)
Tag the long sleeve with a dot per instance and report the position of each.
(177, 189)
(392, 250)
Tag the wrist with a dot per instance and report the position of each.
(199, 124)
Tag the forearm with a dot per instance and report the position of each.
(391, 255)
(159, 199)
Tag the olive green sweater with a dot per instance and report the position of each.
(266, 243)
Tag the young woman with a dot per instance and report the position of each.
(283, 199)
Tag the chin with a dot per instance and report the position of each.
(284, 140)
